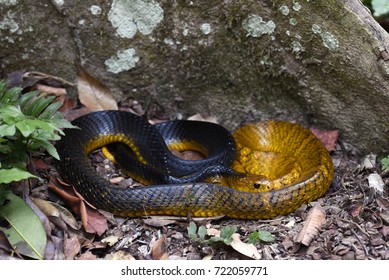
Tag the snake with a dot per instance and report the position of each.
(260, 171)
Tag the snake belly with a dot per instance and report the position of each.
(296, 167)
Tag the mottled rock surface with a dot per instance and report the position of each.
(323, 63)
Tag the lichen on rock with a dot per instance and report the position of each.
(124, 60)
(256, 26)
(130, 16)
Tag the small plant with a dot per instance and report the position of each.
(261, 236)
(28, 124)
(201, 233)
(385, 162)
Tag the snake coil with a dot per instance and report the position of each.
(294, 165)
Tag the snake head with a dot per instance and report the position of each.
(253, 183)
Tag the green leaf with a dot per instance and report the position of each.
(26, 233)
(227, 232)
(50, 110)
(7, 130)
(202, 232)
(192, 231)
(11, 115)
(385, 162)
(261, 235)
(26, 98)
(38, 105)
(39, 143)
(10, 97)
(3, 87)
(28, 126)
(5, 149)
(14, 174)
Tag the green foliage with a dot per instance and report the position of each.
(385, 162)
(28, 124)
(24, 232)
(199, 234)
(261, 236)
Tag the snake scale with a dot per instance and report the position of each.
(265, 169)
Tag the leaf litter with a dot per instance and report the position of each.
(350, 222)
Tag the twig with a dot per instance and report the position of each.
(360, 242)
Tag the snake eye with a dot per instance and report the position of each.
(257, 186)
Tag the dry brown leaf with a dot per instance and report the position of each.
(329, 138)
(356, 209)
(41, 164)
(110, 240)
(198, 117)
(97, 223)
(57, 214)
(57, 91)
(158, 222)
(92, 220)
(213, 232)
(159, 250)
(92, 93)
(119, 255)
(246, 249)
(238, 245)
(315, 219)
(71, 245)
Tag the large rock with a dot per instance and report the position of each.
(322, 63)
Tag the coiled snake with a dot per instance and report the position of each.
(276, 167)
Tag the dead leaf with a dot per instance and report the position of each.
(246, 249)
(329, 138)
(97, 223)
(71, 245)
(369, 161)
(356, 209)
(92, 93)
(57, 91)
(57, 214)
(119, 255)
(159, 250)
(92, 220)
(68, 103)
(41, 164)
(110, 240)
(314, 221)
(198, 117)
(385, 231)
(4, 243)
(40, 77)
(376, 182)
(238, 245)
(158, 222)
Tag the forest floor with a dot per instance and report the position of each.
(355, 225)
(351, 221)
